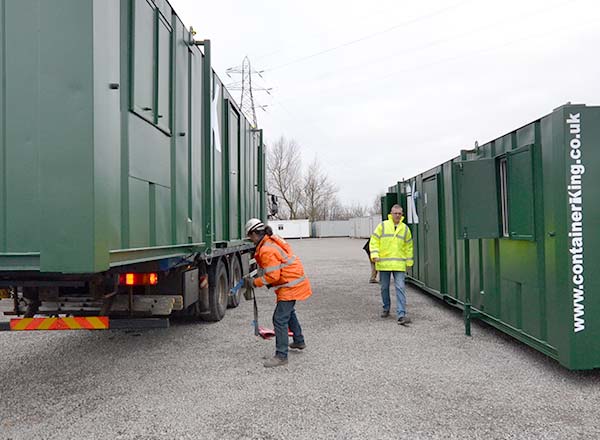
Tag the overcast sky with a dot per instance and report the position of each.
(386, 89)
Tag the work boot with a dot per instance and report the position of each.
(385, 314)
(275, 361)
(298, 345)
(403, 320)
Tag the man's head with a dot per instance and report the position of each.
(396, 213)
(255, 230)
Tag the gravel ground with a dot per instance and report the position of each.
(360, 377)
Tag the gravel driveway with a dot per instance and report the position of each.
(360, 377)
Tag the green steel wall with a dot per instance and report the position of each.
(19, 155)
(94, 176)
(522, 283)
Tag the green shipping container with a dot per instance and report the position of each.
(119, 144)
(120, 150)
(506, 232)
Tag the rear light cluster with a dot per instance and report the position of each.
(138, 279)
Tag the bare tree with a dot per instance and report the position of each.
(376, 207)
(356, 210)
(337, 211)
(319, 193)
(304, 195)
(284, 174)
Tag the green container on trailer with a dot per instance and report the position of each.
(506, 232)
(118, 143)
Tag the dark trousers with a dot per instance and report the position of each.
(284, 317)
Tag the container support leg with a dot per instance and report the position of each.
(467, 306)
(469, 314)
(467, 318)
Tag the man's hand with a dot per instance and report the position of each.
(375, 259)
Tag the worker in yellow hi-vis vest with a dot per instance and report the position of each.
(391, 249)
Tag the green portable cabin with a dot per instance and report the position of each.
(118, 143)
(507, 231)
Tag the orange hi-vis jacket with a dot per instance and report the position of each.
(282, 269)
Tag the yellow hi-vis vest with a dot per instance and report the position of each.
(393, 246)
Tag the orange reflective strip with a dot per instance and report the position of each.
(83, 323)
(46, 324)
(68, 323)
(71, 323)
(19, 324)
(98, 322)
(60, 324)
(35, 322)
(57, 324)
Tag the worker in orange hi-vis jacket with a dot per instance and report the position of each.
(283, 271)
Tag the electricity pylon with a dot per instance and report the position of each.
(247, 89)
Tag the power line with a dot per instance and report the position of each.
(373, 78)
(367, 37)
(318, 36)
(387, 57)
(450, 59)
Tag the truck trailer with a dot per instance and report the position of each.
(127, 170)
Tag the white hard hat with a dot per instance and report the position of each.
(254, 225)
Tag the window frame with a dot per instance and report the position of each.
(143, 113)
(506, 220)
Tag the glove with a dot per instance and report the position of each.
(248, 282)
(248, 287)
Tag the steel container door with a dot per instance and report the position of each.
(432, 234)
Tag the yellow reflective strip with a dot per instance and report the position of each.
(96, 323)
(22, 324)
(46, 323)
(71, 323)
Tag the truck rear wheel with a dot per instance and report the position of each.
(218, 291)
(236, 276)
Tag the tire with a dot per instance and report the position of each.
(235, 276)
(218, 291)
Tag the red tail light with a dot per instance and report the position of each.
(138, 279)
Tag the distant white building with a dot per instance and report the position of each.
(331, 228)
(291, 228)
